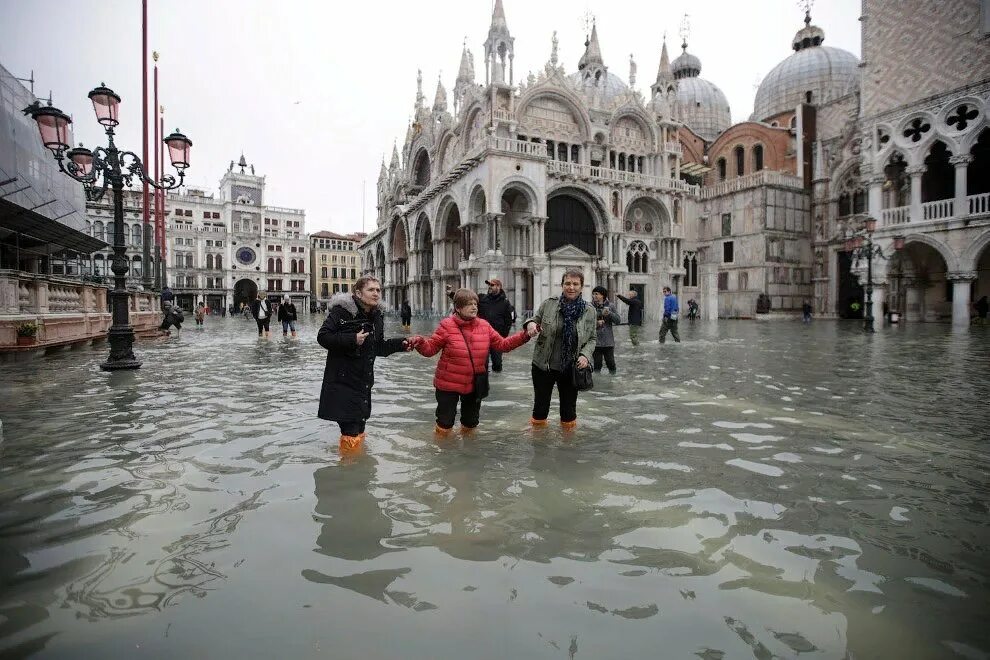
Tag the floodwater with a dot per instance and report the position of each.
(760, 490)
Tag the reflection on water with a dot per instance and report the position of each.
(759, 490)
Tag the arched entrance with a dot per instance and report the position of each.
(245, 291)
(570, 222)
(850, 300)
(400, 263)
(423, 247)
(918, 285)
(379, 264)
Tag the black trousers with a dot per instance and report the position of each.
(496, 359)
(543, 382)
(607, 352)
(352, 428)
(263, 324)
(671, 325)
(447, 409)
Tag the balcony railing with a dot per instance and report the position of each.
(503, 115)
(979, 204)
(761, 178)
(673, 148)
(511, 146)
(940, 209)
(561, 168)
(895, 216)
(937, 210)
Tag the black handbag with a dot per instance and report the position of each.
(581, 377)
(480, 380)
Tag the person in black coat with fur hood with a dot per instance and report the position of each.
(354, 335)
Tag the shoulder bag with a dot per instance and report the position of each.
(581, 377)
(480, 379)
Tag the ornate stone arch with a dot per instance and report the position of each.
(566, 97)
(423, 225)
(524, 186)
(663, 214)
(473, 128)
(947, 253)
(971, 257)
(422, 168)
(599, 210)
(640, 116)
(443, 151)
(447, 203)
(397, 223)
(477, 203)
(969, 140)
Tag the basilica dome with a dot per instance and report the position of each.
(699, 104)
(825, 72)
(612, 86)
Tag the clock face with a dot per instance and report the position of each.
(245, 255)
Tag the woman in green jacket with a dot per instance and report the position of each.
(566, 330)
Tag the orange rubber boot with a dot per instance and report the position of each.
(537, 422)
(441, 431)
(467, 430)
(350, 444)
(569, 426)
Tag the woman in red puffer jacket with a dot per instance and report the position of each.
(458, 364)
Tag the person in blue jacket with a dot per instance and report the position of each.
(670, 313)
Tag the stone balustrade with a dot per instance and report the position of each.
(761, 178)
(65, 310)
(897, 215)
(936, 211)
(579, 170)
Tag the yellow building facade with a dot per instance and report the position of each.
(335, 263)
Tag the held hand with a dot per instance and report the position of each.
(582, 362)
(361, 336)
(532, 330)
(600, 323)
(412, 342)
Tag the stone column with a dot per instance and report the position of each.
(517, 291)
(916, 174)
(438, 295)
(913, 301)
(498, 229)
(960, 206)
(879, 296)
(961, 285)
(875, 200)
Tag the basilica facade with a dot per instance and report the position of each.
(521, 179)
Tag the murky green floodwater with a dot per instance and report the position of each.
(760, 490)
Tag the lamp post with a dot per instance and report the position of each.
(855, 246)
(116, 168)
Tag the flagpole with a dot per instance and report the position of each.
(157, 175)
(161, 203)
(145, 201)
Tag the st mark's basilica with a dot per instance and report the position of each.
(522, 177)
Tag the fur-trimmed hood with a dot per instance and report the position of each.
(346, 301)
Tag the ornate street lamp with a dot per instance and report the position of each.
(115, 168)
(854, 245)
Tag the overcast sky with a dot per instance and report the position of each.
(315, 92)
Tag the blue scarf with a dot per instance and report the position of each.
(571, 310)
